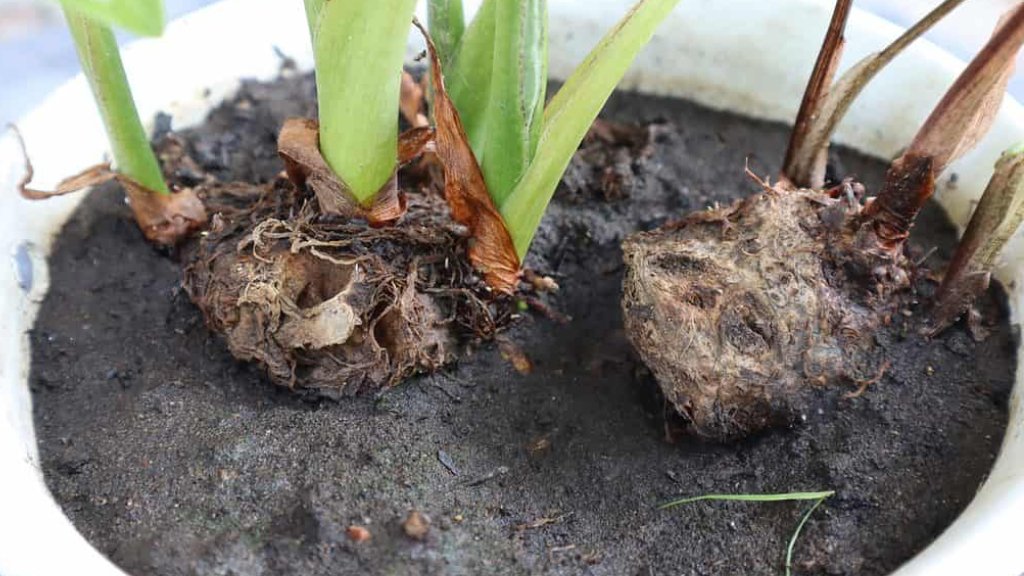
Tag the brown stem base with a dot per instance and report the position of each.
(332, 304)
(745, 313)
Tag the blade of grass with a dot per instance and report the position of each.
(571, 112)
(446, 24)
(358, 47)
(808, 162)
(101, 64)
(518, 85)
(783, 497)
(819, 497)
(142, 17)
(796, 534)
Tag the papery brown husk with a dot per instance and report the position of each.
(331, 303)
(747, 314)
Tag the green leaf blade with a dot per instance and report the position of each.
(142, 17)
(518, 87)
(359, 48)
(571, 112)
(446, 24)
(468, 78)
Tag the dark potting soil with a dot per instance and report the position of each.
(172, 458)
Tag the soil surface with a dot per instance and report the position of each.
(172, 458)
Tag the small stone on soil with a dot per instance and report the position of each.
(416, 525)
(357, 534)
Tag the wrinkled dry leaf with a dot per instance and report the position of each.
(969, 107)
(998, 216)
(298, 144)
(809, 160)
(414, 142)
(957, 123)
(817, 88)
(410, 102)
(490, 250)
(164, 219)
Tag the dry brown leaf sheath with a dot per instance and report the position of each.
(807, 159)
(995, 220)
(164, 219)
(814, 94)
(298, 144)
(490, 250)
(957, 123)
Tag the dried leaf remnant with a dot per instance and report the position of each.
(490, 249)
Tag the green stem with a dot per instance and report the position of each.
(571, 112)
(446, 24)
(359, 47)
(101, 64)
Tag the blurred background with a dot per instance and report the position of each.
(36, 54)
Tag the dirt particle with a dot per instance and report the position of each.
(416, 525)
(357, 534)
(515, 355)
(446, 460)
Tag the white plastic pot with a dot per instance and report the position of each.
(748, 56)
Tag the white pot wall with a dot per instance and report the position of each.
(748, 56)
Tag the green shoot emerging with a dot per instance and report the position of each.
(498, 83)
(359, 46)
(518, 85)
(101, 64)
(571, 112)
(142, 17)
(446, 24)
(818, 498)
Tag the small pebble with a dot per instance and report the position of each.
(416, 525)
(357, 533)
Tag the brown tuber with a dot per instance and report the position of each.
(746, 313)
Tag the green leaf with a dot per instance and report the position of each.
(518, 86)
(101, 65)
(142, 17)
(446, 24)
(783, 497)
(571, 112)
(359, 47)
(498, 83)
(468, 78)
